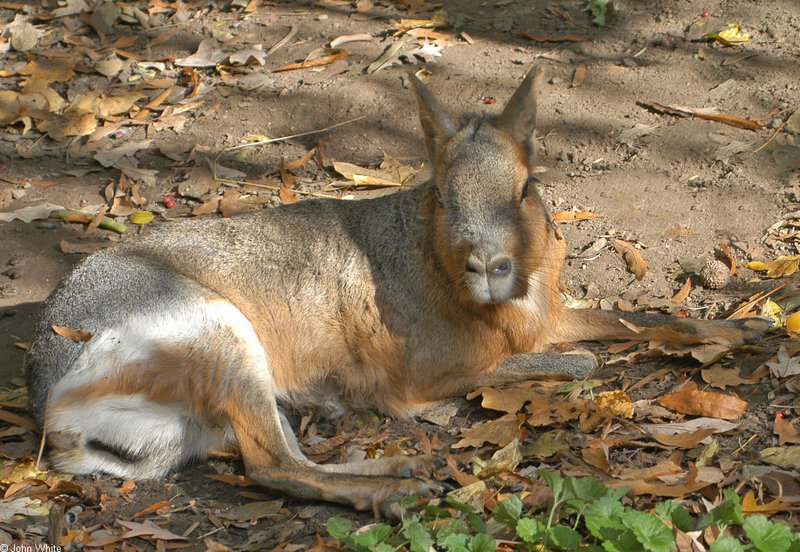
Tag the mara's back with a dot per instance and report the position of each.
(306, 276)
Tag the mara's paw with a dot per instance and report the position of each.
(381, 494)
(753, 329)
(740, 332)
(389, 506)
(730, 333)
(420, 465)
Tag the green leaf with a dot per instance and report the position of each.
(419, 539)
(603, 518)
(727, 513)
(726, 544)
(454, 527)
(482, 543)
(653, 533)
(564, 537)
(531, 530)
(508, 511)
(590, 489)
(460, 506)
(556, 483)
(476, 523)
(435, 512)
(669, 510)
(599, 10)
(767, 536)
(339, 528)
(407, 502)
(624, 542)
(370, 538)
(455, 542)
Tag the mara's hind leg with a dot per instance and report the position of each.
(273, 459)
(149, 394)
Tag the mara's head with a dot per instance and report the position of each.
(490, 227)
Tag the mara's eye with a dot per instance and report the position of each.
(526, 188)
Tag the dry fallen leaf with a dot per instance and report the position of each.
(579, 76)
(79, 336)
(344, 39)
(683, 293)
(684, 440)
(572, 216)
(793, 322)
(73, 122)
(784, 265)
(510, 399)
(317, 58)
(690, 400)
(785, 457)
(708, 113)
(497, 432)
(286, 195)
(727, 258)
(720, 377)
(750, 506)
(147, 529)
(784, 365)
(786, 431)
(596, 457)
(208, 54)
(238, 480)
(615, 403)
(365, 177)
(633, 258)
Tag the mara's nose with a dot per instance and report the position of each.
(498, 266)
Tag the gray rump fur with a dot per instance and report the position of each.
(308, 249)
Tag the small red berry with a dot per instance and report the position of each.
(488, 100)
(169, 203)
(706, 14)
(683, 313)
(779, 414)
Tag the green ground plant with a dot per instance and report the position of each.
(586, 515)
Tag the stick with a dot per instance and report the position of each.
(105, 222)
(270, 187)
(282, 138)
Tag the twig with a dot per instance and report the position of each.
(753, 436)
(744, 307)
(284, 40)
(105, 222)
(270, 187)
(771, 138)
(39, 139)
(282, 138)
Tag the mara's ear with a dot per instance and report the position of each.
(519, 116)
(437, 124)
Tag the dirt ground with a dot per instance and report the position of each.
(677, 187)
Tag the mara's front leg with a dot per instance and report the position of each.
(598, 325)
(601, 325)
